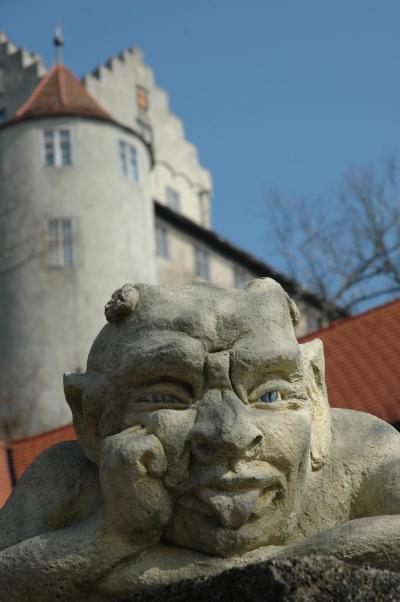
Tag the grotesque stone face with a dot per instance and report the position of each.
(218, 377)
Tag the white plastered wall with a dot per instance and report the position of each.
(180, 267)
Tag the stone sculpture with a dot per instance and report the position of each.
(205, 441)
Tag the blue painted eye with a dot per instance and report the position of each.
(269, 397)
(163, 399)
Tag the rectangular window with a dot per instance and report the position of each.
(142, 98)
(49, 150)
(201, 263)
(57, 148)
(128, 157)
(3, 115)
(172, 199)
(65, 147)
(162, 242)
(133, 163)
(60, 243)
(239, 277)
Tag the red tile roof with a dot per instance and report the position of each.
(362, 355)
(60, 93)
(24, 451)
(5, 477)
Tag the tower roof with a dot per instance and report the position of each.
(61, 93)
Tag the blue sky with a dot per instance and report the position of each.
(276, 94)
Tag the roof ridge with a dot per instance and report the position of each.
(92, 98)
(254, 263)
(344, 321)
(35, 92)
(62, 92)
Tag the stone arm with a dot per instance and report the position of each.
(373, 538)
(49, 544)
(372, 541)
(61, 565)
(59, 488)
(51, 548)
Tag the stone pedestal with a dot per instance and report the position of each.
(309, 579)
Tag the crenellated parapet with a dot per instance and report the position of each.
(126, 87)
(20, 72)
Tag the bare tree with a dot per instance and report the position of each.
(345, 249)
(21, 236)
(21, 241)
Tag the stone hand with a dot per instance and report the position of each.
(131, 467)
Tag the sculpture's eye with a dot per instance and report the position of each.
(175, 396)
(270, 396)
(162, 398)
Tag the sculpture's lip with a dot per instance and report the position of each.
(239, 480)
(238, 503)
(231, 484)
(234, 497)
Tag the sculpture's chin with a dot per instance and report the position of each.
(226, 525)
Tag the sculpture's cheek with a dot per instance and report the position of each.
(286, 437)
(288, 441)
(173, 428)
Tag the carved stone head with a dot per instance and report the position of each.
(238, 405)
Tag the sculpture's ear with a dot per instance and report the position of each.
(85, 419)
(73, 389)
(314, 370)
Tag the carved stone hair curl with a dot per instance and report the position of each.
(123, 302)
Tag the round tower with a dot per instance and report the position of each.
(76, 221)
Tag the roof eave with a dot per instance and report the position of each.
(19, 120)
(235, 253)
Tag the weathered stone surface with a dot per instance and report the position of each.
(205, 443)
(309, 579)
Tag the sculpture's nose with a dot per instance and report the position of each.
(223, 428)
